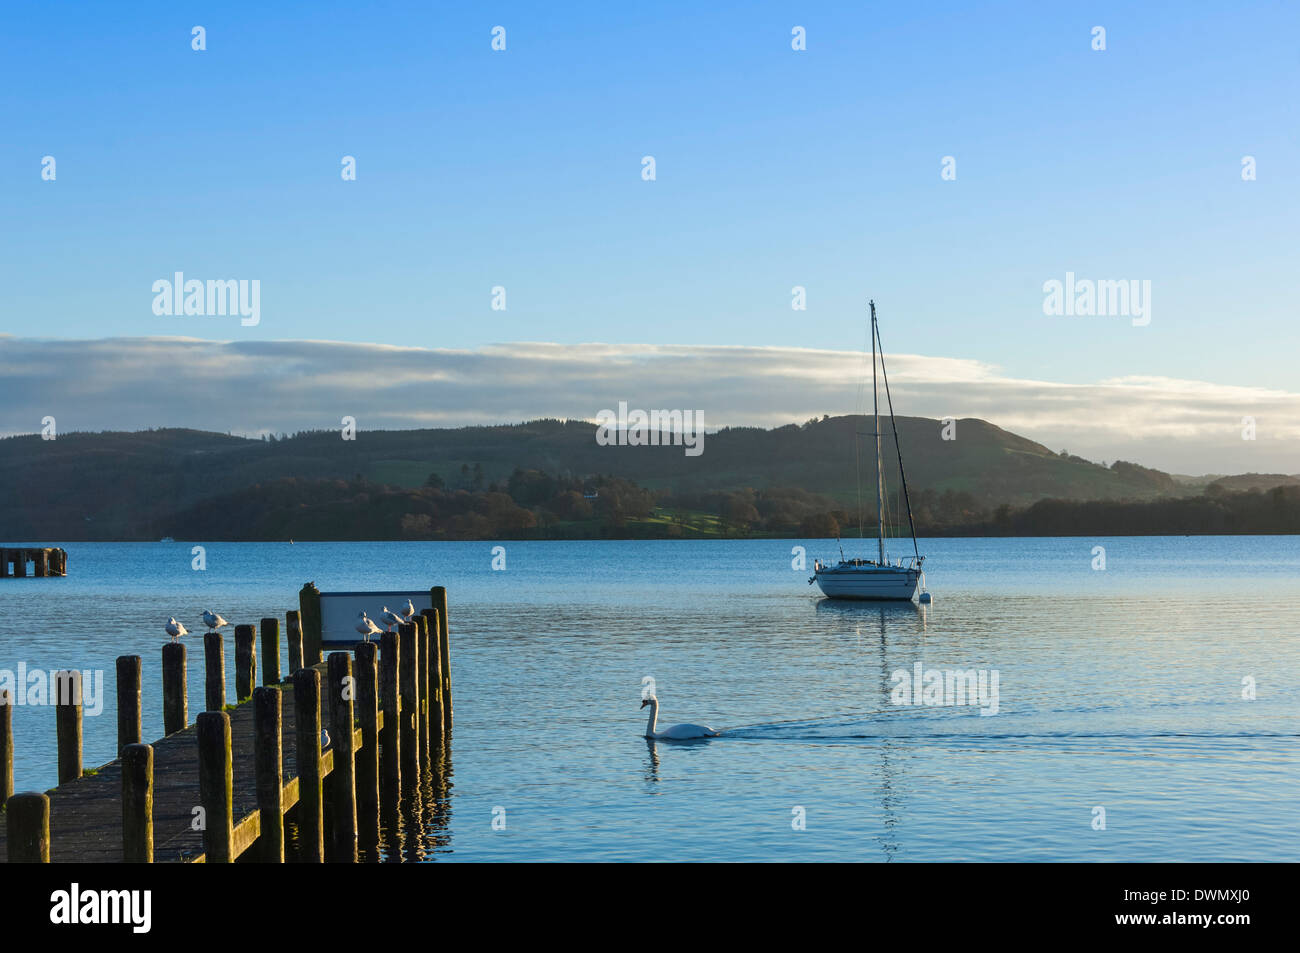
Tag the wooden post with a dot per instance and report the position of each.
(390, 696)
(367, 773)
(20, 563)
(245, 662)
(28, 828)
(311, 820)
(6, 747)
(409, 690)
(41, 563)
(435, 672)
(270, 651)
(68, 725)
(214, 654)
(342, 689)
(137, 804)
(439, 596)
(129, 701)
(216, 786)
(309, 616)
(176, 703)
(4, 564)
(422, 645)
(268, 764)
(293, 632)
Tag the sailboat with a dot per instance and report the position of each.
(877, 579)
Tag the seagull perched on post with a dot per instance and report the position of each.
(212, 620)
(366, 626)
(391, 618)
(408, 614)
(175, 629)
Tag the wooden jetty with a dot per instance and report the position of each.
(45, 562)
(228, 787)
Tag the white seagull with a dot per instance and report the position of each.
(175, 629)
(409, 612)
(366, 626)
(212, 620)
(391, 618)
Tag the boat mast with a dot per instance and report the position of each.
(875, 408)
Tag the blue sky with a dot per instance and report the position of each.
(775, 168)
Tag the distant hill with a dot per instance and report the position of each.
(1251, 481)
(135, 485)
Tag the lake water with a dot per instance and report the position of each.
(1119, 689)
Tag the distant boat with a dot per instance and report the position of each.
(166, 539)
(876, 579)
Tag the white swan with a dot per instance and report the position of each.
(676, 732)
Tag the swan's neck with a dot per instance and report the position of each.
(653, 719)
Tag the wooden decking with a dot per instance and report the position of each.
(86, 814)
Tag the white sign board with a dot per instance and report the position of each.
(338, 612)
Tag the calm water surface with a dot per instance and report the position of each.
(1119, 689)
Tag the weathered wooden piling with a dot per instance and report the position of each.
(309, 616)
(270, 651)
(366, 674)
(176, 703)
(293, 632)
(41, 561)
(245, 662)
(409, 689)
(391, 697)
(342, 688)
(68, 723)
(27, 823)
(436, 724)
(45, 562)
(268, 758)
(422, 674)
(216, 786)
(137, 804)
(214, 657)
(130, 701)
(6, 747)
(439, 597)
(311, 821)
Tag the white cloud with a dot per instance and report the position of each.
(283, 386)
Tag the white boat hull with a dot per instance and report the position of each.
(868, 582)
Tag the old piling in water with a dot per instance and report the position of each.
(268, 765)
(214, 657)
(436, 724)
(27, 821)
(176, 703)
(343, 776)
(422, 643)
(293, 633)
(367, 762)
(391, 697)
(6, 747)
(409, 689)
(68, 724)
(137, 804)
(311, 821)
(130, 701)
(245, 662)
(216, 786)
(270, 651)
(439, 596)
(309, 617)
